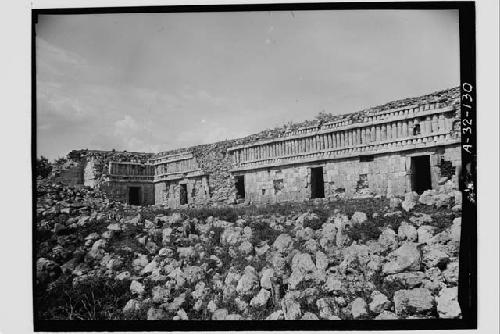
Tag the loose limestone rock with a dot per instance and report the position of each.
(246, 247)
(261, 298)
(114, 227)
(277, 315)
(181, 315)
(387, 239)
(358, 308)
(265, 280)
(166, 235)
(447, 303)
(309, 316)
(46, 269)
(231, 236)
(359, 217)
(451, 273)
(186, 252)
(425, 233)
(386, 315)
(220, 314)
(407, 257)
(456, 229)
(283, 242)
(405, 280)
(328, 235)
(379, 302)
(248, 282)
(333, 284)
(132, 305)
(414, 301)
(325, 311)
(321, 261)
(261, 249)
(140, 262)
(420, 218)
(428, 197)
(356, 257)
(395, 203)
(195, 273)
(407, 232)
(302, 262)
(410, 201)
(122, 276)
(136, 288)
(211, 306)
(157, 314)
(58, 228)
(290, 307)
(435, 255)
(97, 250)
(160, 294)
(234, 316)
(309, 218)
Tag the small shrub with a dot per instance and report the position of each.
(262, 231)
(364, 231)
(96, 298)
(43, 167)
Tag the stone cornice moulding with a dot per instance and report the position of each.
(325, 155)
(344, 128)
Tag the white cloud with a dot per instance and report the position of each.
(126, 126)
(55, 62)
(46, 50)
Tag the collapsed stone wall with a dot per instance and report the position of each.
(214, 160)
(119, 191)
(89, 167)
(69, 172)
(97, 163)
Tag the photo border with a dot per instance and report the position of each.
(468, 179)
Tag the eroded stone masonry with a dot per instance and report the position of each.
(405, 145)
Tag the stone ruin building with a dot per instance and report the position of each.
(405, 145)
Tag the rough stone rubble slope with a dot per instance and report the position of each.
(394, 260)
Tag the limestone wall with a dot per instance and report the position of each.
(71, 173)
(120, 176)
(119, 191)
(203, 169)
(168, 192)
(91, 167)
(386, 175)
(91, 172)
(216, 163)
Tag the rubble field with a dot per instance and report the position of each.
(372, 258)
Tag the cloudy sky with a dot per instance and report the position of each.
(153, 82)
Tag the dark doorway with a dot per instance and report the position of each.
(420, 173)
(134, 195)
(240, 186)
(183, 194)
(317, 184)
